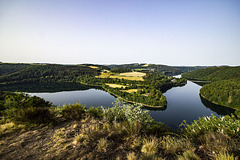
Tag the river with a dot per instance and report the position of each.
(183, 103)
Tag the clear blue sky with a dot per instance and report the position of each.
(171, 32)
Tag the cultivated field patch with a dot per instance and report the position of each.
(133, 74)
(115, 85)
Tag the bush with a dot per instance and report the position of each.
(73, 111)
(31, 114)
(229, 125)
(95, 112)
(130, 113)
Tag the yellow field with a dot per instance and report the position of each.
(104, 75)
(128, 78)
(145, 65)
(133, 74)
(94, 67)
(115, 85)
(130, 90)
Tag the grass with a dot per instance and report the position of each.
(102, 145)
(188, 155)
(225, 156)
(131, 156)
(173, 145)
(150, 146)
(9, 127)
(115, 85)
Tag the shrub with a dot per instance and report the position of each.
(229, 125)
(95, 112)
(31, 114)
(130, 113)
(73, 111)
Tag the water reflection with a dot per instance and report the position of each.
(220, 110)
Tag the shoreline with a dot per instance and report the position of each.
(146, 105)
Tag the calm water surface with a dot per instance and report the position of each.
(183, 103)
(90, 97)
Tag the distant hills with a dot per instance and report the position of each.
(158, 68)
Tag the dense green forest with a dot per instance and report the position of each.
(47, 73)
(213, 73)
(120, 70)
(225, 87)
(6, 68)
(225, 93)
(31, 129)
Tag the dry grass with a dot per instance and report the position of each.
(9, 127)
(131, 156)
(115, 85)
(225, 156)
(189, 155)
(102, 145)
(173, 145)
(150, 146)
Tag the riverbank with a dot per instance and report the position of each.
(146, 105)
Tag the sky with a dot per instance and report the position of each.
(170, 32)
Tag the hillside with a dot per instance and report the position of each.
(213, 73)
(6, 68)
(224, 93)
(47, 73)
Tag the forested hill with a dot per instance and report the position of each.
(224, 93)
(47, 73)
(225, 87)
(213, 73)
(6, 68)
